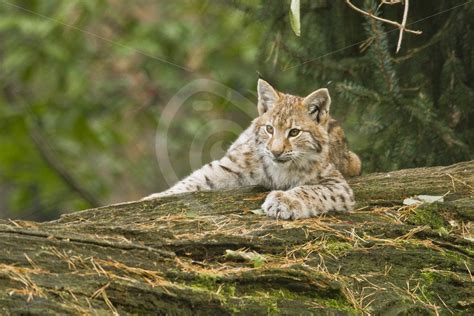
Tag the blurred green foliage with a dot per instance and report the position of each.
(84, 85)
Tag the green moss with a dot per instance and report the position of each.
(269, 299)
(206, 281)
(442, 283)
(338, 248)
(458, 257)
(337, 304)
(426, 215)
(213, 283)
(428, 277)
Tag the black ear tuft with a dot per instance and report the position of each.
(318, 103)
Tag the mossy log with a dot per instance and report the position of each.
(208, 253)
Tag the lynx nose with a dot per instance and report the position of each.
(276, 153)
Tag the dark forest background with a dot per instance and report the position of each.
(85, 86)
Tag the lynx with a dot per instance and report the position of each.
(294, 148)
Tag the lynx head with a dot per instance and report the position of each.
(291, 128)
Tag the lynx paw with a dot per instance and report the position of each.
(279, 204)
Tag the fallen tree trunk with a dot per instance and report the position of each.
(208, 253)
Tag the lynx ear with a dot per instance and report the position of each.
(318, 103)
(267, 96)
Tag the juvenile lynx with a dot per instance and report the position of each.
(294, 148)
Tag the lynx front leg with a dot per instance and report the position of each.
(310, 200)
(217, 175)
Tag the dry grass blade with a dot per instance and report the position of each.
(151, 277)
(98, 268)
(357, 300)
(412, 232)
(33, 264)
(109, 303)
(14, 223)
(469, 271)
(102, 292)
(444, 304)
(460, 181)
(21, 275)
(412, 293)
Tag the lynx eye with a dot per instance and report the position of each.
(294, 132)
(269, 129)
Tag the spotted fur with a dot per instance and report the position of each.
(293, 148)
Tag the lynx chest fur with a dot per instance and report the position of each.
(293, 148)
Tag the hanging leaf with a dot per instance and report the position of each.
(295, 17)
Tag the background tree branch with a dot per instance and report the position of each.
(401, 26)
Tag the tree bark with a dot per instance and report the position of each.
(209, 253)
